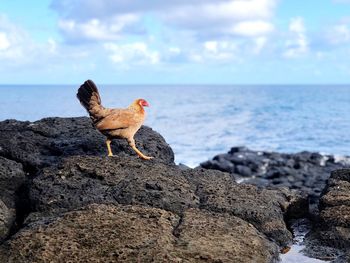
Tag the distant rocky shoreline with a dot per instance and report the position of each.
(305, 171)
(317, 177)
(62, 199)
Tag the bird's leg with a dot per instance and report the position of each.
(108, 143)
(132, 144)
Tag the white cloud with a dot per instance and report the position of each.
(339, 34)
(194, 15)
(252, 28)
(4, 41)
(223, 51)
(92, 19)
(96, 29)
(211, 46)
(260, 43)
(52, 45)
(220, 10)
(134, 53)
(175, 50)
(244, 18)
(191, 30)
(298, 44)
(13, 41)
(18, 50)
(297, 25)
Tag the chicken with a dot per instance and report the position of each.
(113, 123)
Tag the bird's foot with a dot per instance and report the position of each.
(146, 157)
(139, 153)
(110, 155)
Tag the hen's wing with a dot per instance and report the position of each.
(119, 119)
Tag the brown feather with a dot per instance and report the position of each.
(120, 118)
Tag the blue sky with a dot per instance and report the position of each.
(175, 42)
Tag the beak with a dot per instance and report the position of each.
(145, 104)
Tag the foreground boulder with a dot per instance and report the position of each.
(118, 233)
(148, 211)
(76, 204)
(45, 142)
(80, 181)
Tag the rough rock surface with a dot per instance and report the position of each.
(333, 229)
(80, 204)
(7, 217)
(123, 233)
(12, 178)
(304, 171)
(45, 142)
(257, 206)
(126, 180)
(309, 173)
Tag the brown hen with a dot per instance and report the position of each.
(113, 123)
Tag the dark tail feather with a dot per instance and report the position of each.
(87, 92)
(89, 97)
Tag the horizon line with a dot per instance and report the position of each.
(180, 84)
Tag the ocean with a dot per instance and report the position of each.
(200, 121)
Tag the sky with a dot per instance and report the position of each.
(175, 42)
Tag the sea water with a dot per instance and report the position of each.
(200, 121)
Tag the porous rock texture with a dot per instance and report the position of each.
(124, 233)
(45, 142)
(82, 206)
(12, 180)
(126, 180)
(7, 217)
(331, 238)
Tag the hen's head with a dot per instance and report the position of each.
(142, 103)
(138, 105)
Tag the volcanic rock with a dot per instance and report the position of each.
(304, 171)
(45, 142)
(331, 236)
(124, 233)
(80, 181)
(12, 178)
(72, 203)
